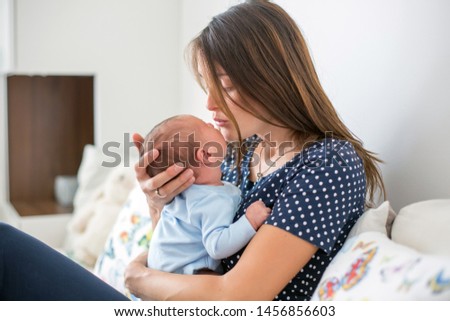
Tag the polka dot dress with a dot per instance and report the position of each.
(318, 195)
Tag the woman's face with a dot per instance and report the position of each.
(212, 140)
(248, 124)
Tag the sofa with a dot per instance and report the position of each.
(387, 255)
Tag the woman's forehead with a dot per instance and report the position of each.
(220, 71)
(202, 69)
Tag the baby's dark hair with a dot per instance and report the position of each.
(171, 146)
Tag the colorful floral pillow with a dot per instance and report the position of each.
(370, 266)
(129, 237)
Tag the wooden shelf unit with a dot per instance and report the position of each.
(50, 120)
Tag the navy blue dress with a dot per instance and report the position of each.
(318, 196)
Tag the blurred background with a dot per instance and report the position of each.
(385, 65)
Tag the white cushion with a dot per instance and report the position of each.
(378, 219)
(91, 174)
(424, 226)
(91, 224)
(370, 266)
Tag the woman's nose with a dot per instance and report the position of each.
(210, 103)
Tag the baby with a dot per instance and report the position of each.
(196, 229)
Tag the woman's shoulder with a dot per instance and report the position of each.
(322, 192)
(325, 160)
(327, 153)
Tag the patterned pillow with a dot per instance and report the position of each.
(129, 237)
(370, 266)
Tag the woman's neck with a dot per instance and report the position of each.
(277, 140)
(278, 146)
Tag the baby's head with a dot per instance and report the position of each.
(187, 140)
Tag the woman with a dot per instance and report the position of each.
(293, 153)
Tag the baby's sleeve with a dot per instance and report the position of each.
(221, 237)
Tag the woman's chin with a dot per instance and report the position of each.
(228, 135)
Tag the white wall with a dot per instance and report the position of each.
(195, 15)
(386, 66)
(6, 64)
(132, 47)
(3, 145)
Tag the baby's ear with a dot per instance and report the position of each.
(211, 156)
(202, 156)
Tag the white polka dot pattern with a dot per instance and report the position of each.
(317, 196)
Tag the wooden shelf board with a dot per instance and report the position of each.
(41, 207)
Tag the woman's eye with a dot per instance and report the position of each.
(228, 89)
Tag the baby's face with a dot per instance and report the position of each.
(209, 137)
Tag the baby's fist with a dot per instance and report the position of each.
(257, 213)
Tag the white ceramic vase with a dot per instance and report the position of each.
(65, 189)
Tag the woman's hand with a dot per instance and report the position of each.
(135, 272)
(162, 188)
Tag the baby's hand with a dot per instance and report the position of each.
(257, 213)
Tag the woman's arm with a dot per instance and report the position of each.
(272, 258)
(168, 183)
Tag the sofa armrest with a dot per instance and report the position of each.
(50, 229)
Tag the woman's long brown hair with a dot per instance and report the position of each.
(262, 50)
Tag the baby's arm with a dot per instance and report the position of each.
(221, 237)
(257, 213)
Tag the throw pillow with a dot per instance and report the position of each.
(129, 237)
(91, 175)
(378, 219)
(424, 226)
(92, 223)
(370, 266)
